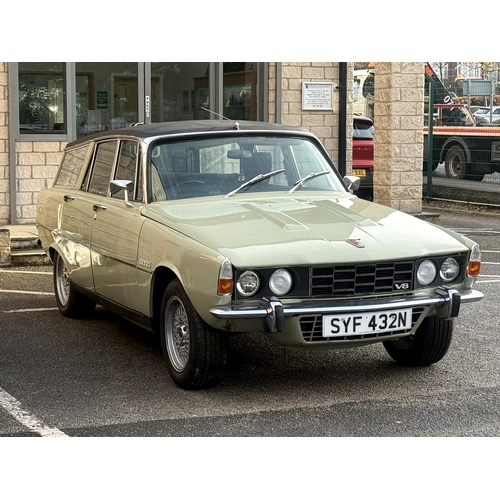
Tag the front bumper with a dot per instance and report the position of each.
(272, 312)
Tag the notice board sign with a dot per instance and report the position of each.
(317, 96)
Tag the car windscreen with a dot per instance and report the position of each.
(362, 129)
(228, 166)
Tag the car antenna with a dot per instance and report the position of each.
(236, 124)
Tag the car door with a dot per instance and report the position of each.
(74, 217)
(116, 226)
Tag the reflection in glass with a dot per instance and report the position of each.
(106, 96)
(242, 92)
(179, 91)
(42, 98)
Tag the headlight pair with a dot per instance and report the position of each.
(280, 283)
(427, 271)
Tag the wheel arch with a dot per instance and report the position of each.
(162, 276)
(455, 141)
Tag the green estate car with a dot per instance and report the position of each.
(199, 230)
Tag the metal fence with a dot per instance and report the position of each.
(462, 143)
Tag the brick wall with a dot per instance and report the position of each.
(4, 145)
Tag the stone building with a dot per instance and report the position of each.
(45, 105)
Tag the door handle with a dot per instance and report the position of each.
(68, 197)
(96, 207)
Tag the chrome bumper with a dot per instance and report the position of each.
(273, 312)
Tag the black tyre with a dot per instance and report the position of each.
(194, 352)
(428, 345)
(455, 163)
(70, 301)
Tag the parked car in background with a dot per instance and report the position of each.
(200, 230)
(362, 155)
(479, 111)
(489, 117)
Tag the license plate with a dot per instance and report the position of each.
(359, 172)
(341, 325)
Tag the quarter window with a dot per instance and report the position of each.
(71, 166)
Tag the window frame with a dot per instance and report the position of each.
(216, 82)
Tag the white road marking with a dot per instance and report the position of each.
(14, 408)
(39, 309)
(30, 293)
(14, 271)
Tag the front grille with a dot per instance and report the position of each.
(362, 279)
(312, 329)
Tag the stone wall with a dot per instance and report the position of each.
(398, 120)
(324, 124)
(37, 164)
(4, 145)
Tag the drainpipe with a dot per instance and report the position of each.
(279, 91)
(13, 131)
(430, 135)
(341, 160)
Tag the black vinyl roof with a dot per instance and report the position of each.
(190, 127)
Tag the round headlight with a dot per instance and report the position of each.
(426, 272)
(280, 282)
(248, 283)
(449, 269)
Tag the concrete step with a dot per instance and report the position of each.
(20, 246)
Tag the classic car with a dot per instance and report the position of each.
(200, 230)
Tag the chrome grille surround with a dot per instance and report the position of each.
(362, 279)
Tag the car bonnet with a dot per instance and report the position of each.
(301, 230)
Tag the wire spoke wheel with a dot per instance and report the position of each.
(177, 333)
(62, 282)
(194, 352)
(69, 300)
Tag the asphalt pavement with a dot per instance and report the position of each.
(103, 377)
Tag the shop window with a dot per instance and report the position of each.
(42, 98)
(179, 91)
(107, 96)
(242, 92)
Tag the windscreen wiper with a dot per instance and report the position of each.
(255, 180)
(298, 184)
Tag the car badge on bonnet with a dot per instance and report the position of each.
(356, 243)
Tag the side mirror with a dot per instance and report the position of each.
(352, 182)
(117, 185)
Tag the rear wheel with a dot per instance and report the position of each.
(194, 352)
(70, 301)
(428, 345)
(455, 163)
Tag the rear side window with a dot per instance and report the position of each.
(71, 166)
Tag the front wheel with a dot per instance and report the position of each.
(194, 352)
(70, 301)
(426, 346)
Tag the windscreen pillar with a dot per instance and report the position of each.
(398, 145)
